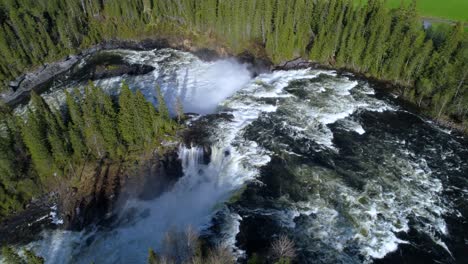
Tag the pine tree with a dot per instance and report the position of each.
(179, 109)
(34, 133)
(144, 120)
(92, 135)
(127, 126)
(162, 107)
(10, 256)
(32, 258)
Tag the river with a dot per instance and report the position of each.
(338, 166)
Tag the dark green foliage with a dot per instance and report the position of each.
(162, 107)
(16, 186)
(254, 259)
(152, 257)
(141, 126)
(10, 256)
(37, 150)
(371, 39)
(35, 135)
(32, 258)
(179, 109)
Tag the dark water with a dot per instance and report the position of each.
(347, 173)
(394, 194)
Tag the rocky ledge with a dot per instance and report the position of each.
(47, 74)
(97, 198)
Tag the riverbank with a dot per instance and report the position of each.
(94, 197)
(256, 58)
(47, 74)
(386, 86)
(105, 180)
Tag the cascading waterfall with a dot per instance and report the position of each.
(190, 203)
(357, 183)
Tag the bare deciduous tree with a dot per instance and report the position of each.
(220, 255)
(283, 248)
(184, 247)
(180, 246)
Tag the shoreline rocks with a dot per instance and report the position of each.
(96, 200)
(26, 225)
(39, 79)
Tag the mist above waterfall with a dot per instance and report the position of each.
(207, 86)
(327, 160)
(200, 85)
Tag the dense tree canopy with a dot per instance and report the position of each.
(47, 144)
(389, 44)
(372, 39)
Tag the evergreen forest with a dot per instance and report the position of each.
(387, 44)
(49, 145)
(267, 162)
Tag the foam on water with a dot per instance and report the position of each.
(304, 105)
(369, 220)
(143, 224)
(198, 84)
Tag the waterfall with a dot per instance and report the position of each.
(357, 181)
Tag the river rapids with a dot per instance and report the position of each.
(323, 157)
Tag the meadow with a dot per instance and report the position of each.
(446, 9)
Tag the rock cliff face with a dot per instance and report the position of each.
(47, 74)
(34, 81)
(26, 225)
(97, 198)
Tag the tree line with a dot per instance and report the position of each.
(388, 44)
(46, 145)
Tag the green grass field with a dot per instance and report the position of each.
(444, 9)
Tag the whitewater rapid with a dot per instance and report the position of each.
(292, 116)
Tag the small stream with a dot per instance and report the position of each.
(324, 158)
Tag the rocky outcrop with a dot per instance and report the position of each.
(41, 78)
(34, 81)
(106, 65)
(27, 225)
(256, 65)
(102, 72)
(44, 76)
(98, 198)
(298, 63)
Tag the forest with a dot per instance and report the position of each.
(50, 145)
(387, 44)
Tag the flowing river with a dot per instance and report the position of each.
(342, 169)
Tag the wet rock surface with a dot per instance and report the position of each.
(114, 183)
(97, 201)
(27, 225)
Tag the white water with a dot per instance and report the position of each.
(191, 202)
(199, 85)
(226, 86)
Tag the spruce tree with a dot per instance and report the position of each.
(32, 258)
(127, 126)
(162, 107)
(10, 256)
(34, 132)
